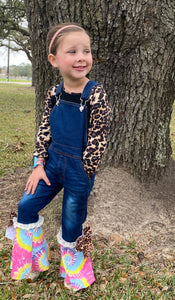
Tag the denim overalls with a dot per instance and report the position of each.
(64, 168)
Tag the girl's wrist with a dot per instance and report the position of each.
(38, 161)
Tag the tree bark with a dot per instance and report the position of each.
(134, 58)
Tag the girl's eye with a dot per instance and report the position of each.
(87, 51)
(71, 51)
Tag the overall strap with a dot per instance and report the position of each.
(59, 88)
(87, 90)
(58, 91)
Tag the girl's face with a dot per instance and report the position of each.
(73, 57)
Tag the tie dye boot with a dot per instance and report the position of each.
(21, 261)
(30, 253)
(40, 251)
(76, 269)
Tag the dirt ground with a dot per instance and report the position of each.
(120, 208)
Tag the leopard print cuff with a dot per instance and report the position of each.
(84, 243)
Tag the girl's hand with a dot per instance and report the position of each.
(32, 182)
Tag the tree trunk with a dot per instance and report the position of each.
(133, 49)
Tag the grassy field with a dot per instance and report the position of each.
(14, 80)
(119, 274)
(17, 126)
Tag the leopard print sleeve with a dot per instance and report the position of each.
(97, 131)
(43, 139)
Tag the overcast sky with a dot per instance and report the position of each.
(16, 58)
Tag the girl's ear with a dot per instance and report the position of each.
(51, 59)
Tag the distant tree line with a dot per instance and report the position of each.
(22, 70)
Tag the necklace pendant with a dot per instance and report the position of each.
(81, 108)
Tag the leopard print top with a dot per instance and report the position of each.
(97, 131)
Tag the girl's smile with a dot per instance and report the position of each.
(80, 68)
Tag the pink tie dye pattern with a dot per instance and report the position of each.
(76, 269)
(30, 253)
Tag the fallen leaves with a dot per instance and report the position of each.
(120, 270)
(142, 274)
(13, 295)
(15, 147)
(115, 238)
(123, 274)
(122, 280)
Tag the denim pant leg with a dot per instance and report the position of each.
(77, 189)
(30, 205)
(89, 191)
(74, 212)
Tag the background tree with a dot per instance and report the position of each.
(133, 49)
(13, 26)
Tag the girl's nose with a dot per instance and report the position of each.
(80, 56)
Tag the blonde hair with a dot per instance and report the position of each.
(56, 32)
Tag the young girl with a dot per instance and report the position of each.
(70, 144)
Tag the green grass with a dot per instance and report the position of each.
(14, 80)
(117, 272)
(17, 126)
